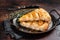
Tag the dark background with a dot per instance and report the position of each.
(8, 3)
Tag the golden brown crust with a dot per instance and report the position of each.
(38, 19)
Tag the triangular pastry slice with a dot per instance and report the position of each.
(37, 19)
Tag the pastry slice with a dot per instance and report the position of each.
(38, 19)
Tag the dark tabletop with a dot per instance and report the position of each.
(53, 35)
